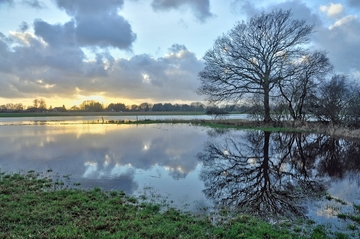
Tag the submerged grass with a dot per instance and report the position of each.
(35, 206)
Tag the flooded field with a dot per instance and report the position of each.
(193, 168)
(62, 120)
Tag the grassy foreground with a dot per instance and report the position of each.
(37, 207)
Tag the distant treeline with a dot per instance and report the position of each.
(95, 106)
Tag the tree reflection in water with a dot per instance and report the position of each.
(269, 174)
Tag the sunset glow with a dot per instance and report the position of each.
(68, 51)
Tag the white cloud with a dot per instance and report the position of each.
(333, 9)
(343, 21)
(342, 41)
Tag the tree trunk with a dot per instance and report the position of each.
(267, 117)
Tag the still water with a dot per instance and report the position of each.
(59, 120)
(195, 167)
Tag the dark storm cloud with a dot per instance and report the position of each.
(34, 4)
(201, 8)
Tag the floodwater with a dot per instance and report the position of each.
(262, 173)
(60, 120)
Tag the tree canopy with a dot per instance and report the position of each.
(255, 57)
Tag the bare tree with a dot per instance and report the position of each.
(331, 102)
(353, 111)
(296, 89)
(36, 103)
(260, 173)
(254, 57)
(42, 104)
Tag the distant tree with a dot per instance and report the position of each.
(12, 107)
(332, 100)
(354, 107)
(158, 107)
(215, 111)
(91, 105)
(296, 88)
(168, 107)
(198, 106)
(185, 107)
(254, 57)
(36, 103)
(177, 107)
(75, 108)
(134, 107)
(144, 106)
(42, 104)
(117, 107)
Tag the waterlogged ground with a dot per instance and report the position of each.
(194, 167)
(66, 120)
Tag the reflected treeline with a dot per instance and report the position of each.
(271, 174)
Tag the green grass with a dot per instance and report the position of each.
(244, 125)
(34, 206)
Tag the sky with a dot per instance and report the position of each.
(135, 51)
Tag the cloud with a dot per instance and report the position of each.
(9, 2)
(168, 78)
(354, 3)
(343, 21)
(51, 63)
(96, 23)
(89, 7)
(298, 9)
(341, 40)
(332, 10)
(105, 31)
(34, 4)
(56, 35)
(244, 6)
(23, 27)
(201, 8)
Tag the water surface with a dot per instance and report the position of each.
(262, 173)
(61, 120)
